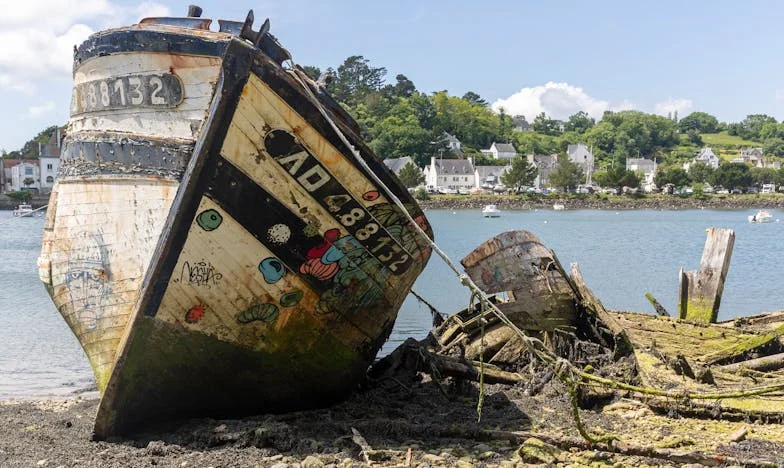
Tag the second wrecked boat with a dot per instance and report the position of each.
(220, 239)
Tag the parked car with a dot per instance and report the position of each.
(752, 190)
(737, 191)
(610, 190)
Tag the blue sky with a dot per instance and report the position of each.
(721, 57)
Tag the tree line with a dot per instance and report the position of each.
(399, 120)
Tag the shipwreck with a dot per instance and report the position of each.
(220, 239)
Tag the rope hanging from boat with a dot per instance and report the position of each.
(565, 370)
(8, 221)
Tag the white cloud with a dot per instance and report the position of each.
(669, 106)
(43, 109)
(39, 35)
(557, 100)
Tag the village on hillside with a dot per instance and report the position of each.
(465, 176)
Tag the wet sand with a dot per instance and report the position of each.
(419, 425)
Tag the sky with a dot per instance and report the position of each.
(720, 57)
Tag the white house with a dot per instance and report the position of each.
(705, 156)
(545, 165)
(646, 167)
(756, 158)
(456, 174)
(25, 171)
(452, 143)
(49, 161)
(487, 177)
(500, 151)
(582, 156)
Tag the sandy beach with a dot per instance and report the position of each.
(392, 425)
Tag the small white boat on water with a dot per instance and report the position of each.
(491, 211)
(761, 216)
(24, 210)
(559, 207)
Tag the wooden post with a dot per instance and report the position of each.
(700, 291)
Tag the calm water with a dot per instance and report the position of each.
(622, 255)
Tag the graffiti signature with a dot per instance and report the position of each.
(200, 273)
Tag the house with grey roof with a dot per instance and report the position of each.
(545, 165)
(500, 151)
(487, 177)
(454, 174)
(646, 168)
(396, 164)
(756, 158)
(582, 156)
(705, 156)
(49, 161)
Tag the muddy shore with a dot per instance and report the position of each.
(418, 426)
(606, 202)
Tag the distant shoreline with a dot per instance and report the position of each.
(604, 202)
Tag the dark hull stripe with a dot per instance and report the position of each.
(277, 79)
(149, 154)
(259, 212)
(139, 40)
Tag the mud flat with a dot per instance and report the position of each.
(424, 424)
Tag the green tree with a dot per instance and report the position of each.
(580, 122)
(403, 87)
(474, 98)
(546, 125)
(311, 71)
(700, 172)
(617, 176)
(774, 146)
(732, 175)
(699, 121)
(21, 196)
(763, 175)
(675, 176)
(355, 78)
(411, 176)
(566, 175)
(520, 175)
(694, 137)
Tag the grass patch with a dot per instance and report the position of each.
(724, 139)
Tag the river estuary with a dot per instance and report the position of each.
(622, 254)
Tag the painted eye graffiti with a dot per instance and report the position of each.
(272, 269)
(291, 299)
(259, 313)
(209, 220)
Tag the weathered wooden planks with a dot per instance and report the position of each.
(98, 240)
(540, 297)
(700, 291)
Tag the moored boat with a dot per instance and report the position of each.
(24, 210)
(761, 216)
(220, 239)
(491, 211)
(559, 206)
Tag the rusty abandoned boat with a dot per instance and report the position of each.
(220, 239)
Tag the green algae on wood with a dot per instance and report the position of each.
(701, 290)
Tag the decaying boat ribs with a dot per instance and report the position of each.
(649, 352)
(212, 241)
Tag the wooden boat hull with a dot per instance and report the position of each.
(273, 264)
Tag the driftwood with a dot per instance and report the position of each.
(763, 364)
(701, 290)
(660, 310)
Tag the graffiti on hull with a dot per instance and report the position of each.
(87, 278)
